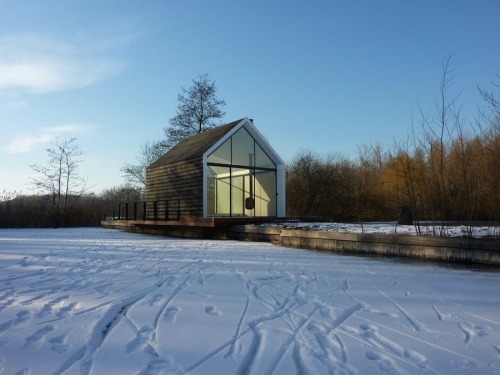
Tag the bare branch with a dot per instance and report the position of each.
(197, 107)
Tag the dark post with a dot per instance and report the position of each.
(119, 210)
(155, 210)
(144, 214)
(167, 213)
(405, 216)
(126, 211)
(178, 209)
(135, 210)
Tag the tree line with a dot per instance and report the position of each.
(38, 210)
(458, 181)
(446, 169)
(61, 198)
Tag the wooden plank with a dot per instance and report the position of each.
(178, 181)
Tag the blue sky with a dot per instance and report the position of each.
(322, 76)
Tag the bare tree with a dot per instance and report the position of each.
(488, 122)
(110, 198)
(197, 109)
(492, 101)
(305, 180)
(59, 179)
(135, 174)
(437, 134)
(488, 129)
(365, 184)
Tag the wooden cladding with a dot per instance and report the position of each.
(181, 182)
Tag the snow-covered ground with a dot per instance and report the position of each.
(393, 228)
(96, 301)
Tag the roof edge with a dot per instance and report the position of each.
(255, 133)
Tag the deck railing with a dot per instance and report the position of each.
(166, 210)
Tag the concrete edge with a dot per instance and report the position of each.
(474, 251)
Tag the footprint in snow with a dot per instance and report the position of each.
(23, 316)
(155, 301)
(385, 364)
(372, 355)
(59, 299)
(171, 314)
(415, 356)
(159, 366)
(6, 326)
(64, 311)
(46, 310)
(24, 262)
(142, 341)
(471, 330)
(369, 331)
(33, 341)
(212, 310)
(58, 344)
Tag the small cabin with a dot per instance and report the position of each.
(228, 171)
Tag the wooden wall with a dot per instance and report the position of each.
(182, 181)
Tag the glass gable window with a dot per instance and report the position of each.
(222, 155)
(243, 148)
(261, 158)
(241, 179)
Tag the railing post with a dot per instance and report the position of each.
(167, 213)
(126, 211)
(119, 210)
(178, 209)
(135, 210)
(155, 210)
(144, 213)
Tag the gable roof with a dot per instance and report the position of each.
(195, 146)
(257, 136)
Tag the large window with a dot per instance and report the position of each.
(241, 179)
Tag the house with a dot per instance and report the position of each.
(228, 171)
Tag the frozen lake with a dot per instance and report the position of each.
(96, 301)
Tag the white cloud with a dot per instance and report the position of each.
(69, 128)
(12, 104)
(45, 63)
(27, 142)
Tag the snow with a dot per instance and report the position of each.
(97, 301)
(392, 228)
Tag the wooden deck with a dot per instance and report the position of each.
(200, 222)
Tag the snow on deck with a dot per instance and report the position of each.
(96, 301)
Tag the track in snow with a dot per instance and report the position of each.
(91, 301)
